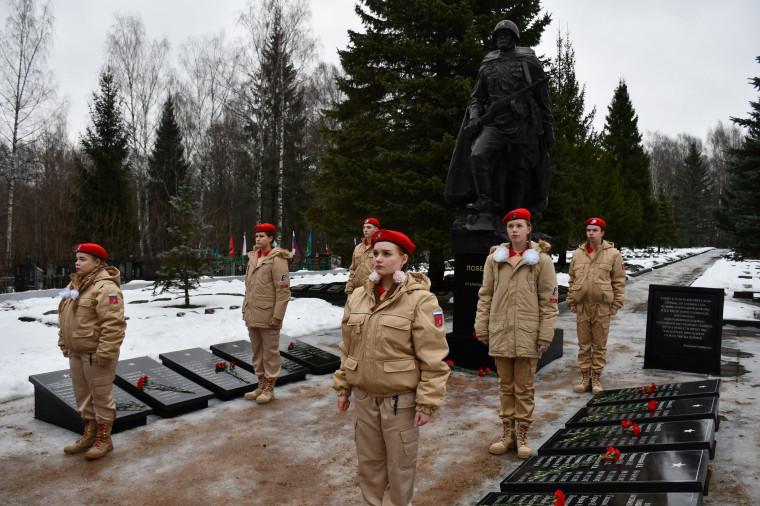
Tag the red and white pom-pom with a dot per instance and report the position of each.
(374, 277)
(399, 277)
(530, 257)
(501, 254)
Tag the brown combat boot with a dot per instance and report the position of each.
(103, 443)
(596, 385)
(251, 396)
(508, 440)
(585, 384)
(86, 441)
(268, 393)
(523, 449)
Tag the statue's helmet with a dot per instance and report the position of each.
(507, 25)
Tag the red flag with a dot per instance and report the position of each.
(232, 247)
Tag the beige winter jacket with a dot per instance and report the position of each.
(267, 288)
(94, 322)
(362, 265)
(517, 306)
(597, 278)
(398, 347)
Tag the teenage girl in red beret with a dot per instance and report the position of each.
(92, 326)
(394, 344)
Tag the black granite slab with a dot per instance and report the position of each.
(689, 389)
(317, 360)
(240, 351)
(661, 436)
(639, 472)
(634, 499)
(54, 403)
(200, 366)
(165, 404)
(668, 410)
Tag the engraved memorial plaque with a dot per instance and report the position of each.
(639, 472)
(667, 391)
(668, 410)
(241, 353)
(200, 366)
(317, 360)
(582, 499)
(54, 403)
(164, 403)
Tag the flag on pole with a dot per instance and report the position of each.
(232, 247)
(296, 253)
(308, 246)
(245, 247)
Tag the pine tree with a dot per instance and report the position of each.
(693, 202)
(183, 265)
(407, 82)
(104, 204)
(167, 170)
(740, 207)
(626, 157)
(665, 228)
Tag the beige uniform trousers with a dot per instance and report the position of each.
(517, 387)
(93, 386)
(593, 324)
(386, 446)
(265, 344)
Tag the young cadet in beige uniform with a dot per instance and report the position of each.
(516, 318)
(267, 293)
(596, 291)
(394, 344)
(92, 326)
(362, 263)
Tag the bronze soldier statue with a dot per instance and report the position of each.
(501, 160)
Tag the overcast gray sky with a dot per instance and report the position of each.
(686, 62)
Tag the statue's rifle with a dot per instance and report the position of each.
(502, 105)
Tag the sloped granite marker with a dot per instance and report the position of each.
(685, 390)
(240, 351)
(200, 366)
(582, 499)
(317, 360)
(697, 408)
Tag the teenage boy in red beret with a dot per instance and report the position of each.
(596, 292)
(267, 293)
(362, 263)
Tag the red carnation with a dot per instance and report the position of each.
(636, 430)
(232, 363)
(449, 363)
(559, 498)
(640, 389)
(652, 406)
(291, 346)
(624, 423)
(612, 454)
(480, 372)
(474, 335)
(488, 370)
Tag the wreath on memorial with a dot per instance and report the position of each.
(626, 392)
(651, 406)
(628, 426)
(229, 369)
(146, 384)
(611, 455)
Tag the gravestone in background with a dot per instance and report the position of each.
(654, 437)
(54, 403)
(656, 472)
(240, 351)
(634, 499)
(698, 408)
(200, 366)
(667, 391)
(684, 329)
(165, 404)
(317, 360)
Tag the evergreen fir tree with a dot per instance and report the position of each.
(183, 265)
(665, 228)
(167, 170)
(740, 205)
(406, 85)
(626, 157)
(693, 208)
(104, 204)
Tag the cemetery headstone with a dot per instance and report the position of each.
(167, 392)
(240, 351)
(54, 403)
(582, 499)
(685, 390)
(317, 360)
(201, 366)
(669, 410)
(684, 326)
(655, 472)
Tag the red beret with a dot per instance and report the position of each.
(517, 214)
(596, 221)
(395, 237)
(371, 221)
(264, 227)
(92, 249)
